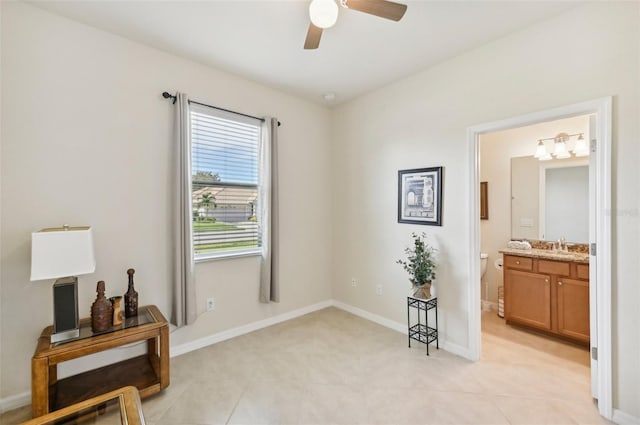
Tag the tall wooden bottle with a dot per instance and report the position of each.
(101, 311)
(131, 297)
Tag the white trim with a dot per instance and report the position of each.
(15, 401)
(602, 108)
(492, 306)
(603, 259)
(473, 303)
(245, 329)
(456, 349)
(400, 327)
(623, 418)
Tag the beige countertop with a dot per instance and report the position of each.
(547, 254)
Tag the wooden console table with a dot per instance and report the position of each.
(149, 373)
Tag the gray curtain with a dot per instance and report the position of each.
(184, 291)
(268, 201)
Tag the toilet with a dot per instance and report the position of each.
(483, 264)
(484, 304)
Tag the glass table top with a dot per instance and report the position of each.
(142, 318)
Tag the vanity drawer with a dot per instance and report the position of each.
(554, 267)
(519, 263)
(582, 271)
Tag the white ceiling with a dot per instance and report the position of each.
(262, 40)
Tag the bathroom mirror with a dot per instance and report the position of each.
(550, 199)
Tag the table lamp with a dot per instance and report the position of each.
(63, 254)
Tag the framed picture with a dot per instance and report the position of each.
(420, 196)
(484, 201)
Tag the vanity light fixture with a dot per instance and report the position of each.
(560, 148)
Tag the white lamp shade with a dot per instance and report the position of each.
(581, 148)
(560, 150)
(323, 13)
(62, 252)
(541, 150)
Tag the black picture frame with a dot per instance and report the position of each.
(420, 196)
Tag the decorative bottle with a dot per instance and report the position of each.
(131, 297)
(101, 311)
(118, 314)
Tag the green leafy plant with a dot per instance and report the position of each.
(420, 262)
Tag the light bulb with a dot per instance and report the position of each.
(581, 148)
(560, 149)
(323, 13)
(541, 150)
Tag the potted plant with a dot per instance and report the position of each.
(421, 265)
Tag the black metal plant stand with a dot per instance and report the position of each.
(422, 332)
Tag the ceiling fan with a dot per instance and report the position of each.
(324, 13)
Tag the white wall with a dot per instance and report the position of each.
(496, 151)
(86, 139)
(421, 121)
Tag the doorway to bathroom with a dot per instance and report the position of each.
(493, 146)
(531, 198)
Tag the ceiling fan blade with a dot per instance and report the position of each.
(382, 8)
(313, 37)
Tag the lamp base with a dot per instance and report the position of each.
(65, 309)
(63, 336)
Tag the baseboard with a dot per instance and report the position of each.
(456, 349)
(623, 418)
(400, 327)
(15, 401)
(493, 306)
(241, 330)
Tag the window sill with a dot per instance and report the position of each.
(230, 255)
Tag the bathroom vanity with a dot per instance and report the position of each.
(548, 292)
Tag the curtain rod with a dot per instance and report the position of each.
(167, 95)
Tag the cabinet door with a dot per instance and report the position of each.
(573, 308)
(527, 299)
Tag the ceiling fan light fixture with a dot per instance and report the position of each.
(323, 13)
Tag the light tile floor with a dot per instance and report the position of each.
(331, 367)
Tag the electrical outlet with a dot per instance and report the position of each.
(354, 282)
(211, 304)
(378, 289)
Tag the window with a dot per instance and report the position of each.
(225, 170)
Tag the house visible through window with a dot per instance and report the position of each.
(225, 170)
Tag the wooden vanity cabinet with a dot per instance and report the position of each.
(528, 299)
(573, 308)
(548, 295)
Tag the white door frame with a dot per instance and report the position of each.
(602, 108)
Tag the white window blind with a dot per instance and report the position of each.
(225, 184)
